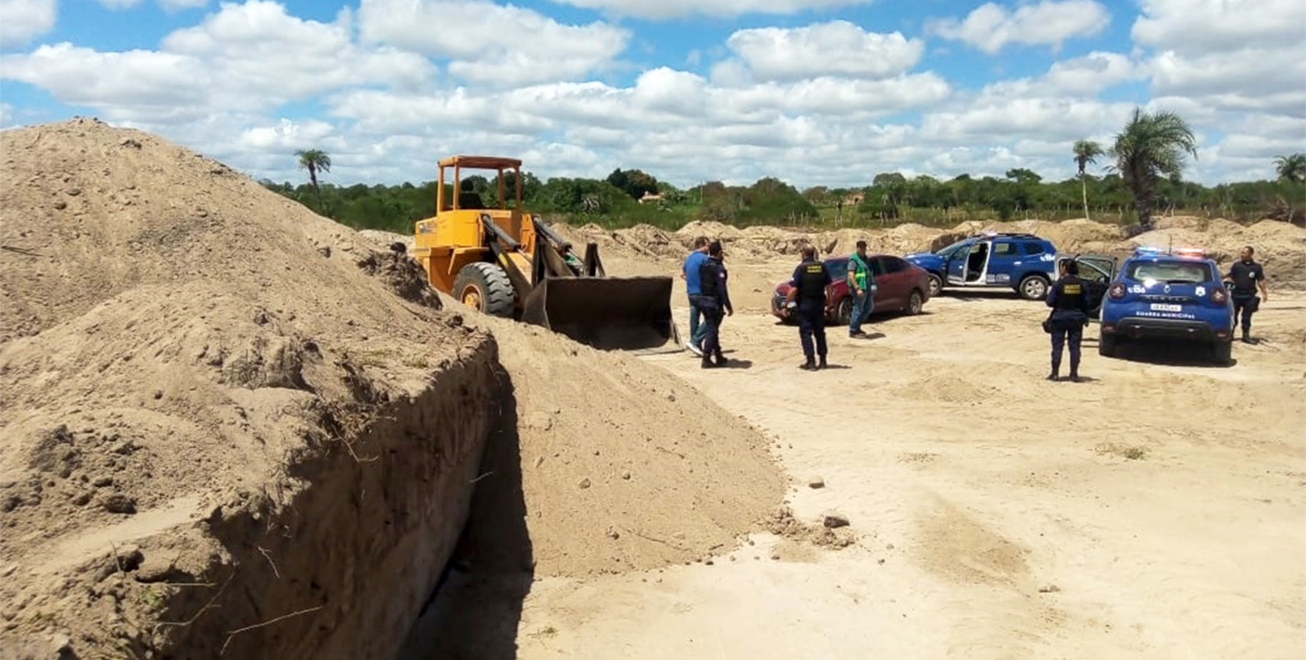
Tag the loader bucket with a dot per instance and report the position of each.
(608, 313)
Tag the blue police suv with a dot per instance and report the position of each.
(1023, 262)
(1171, 295)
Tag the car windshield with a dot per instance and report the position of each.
(838, 268)
(947, 251)
(1170, 272)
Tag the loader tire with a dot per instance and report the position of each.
(485, 287)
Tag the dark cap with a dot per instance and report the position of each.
(861, 244)
(714, 248)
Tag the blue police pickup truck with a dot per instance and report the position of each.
(1022, 262)
(1171, 295)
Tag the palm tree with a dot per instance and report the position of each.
(1291, 168)
(1150, 145)
(1086, 151)
(314, 160)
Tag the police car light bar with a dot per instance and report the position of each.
(1147, 251)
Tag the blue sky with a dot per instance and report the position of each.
(815, 92)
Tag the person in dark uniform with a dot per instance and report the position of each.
(1069, 302)
(807, 297)
(714, 302)
(1246, 276)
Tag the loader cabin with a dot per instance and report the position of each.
(455, 237)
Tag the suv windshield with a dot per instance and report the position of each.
(1170, 272)
(947, 251)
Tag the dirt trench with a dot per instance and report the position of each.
(339, 558)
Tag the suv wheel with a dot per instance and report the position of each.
(1033, 287)
(1222, 352)
(1106, 345)
(936, 285)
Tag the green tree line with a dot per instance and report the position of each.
(1142, 180)
(891, 199)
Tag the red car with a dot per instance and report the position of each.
(900, 287)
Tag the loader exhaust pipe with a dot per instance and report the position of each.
(607, 313)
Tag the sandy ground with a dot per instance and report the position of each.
(1156, 511)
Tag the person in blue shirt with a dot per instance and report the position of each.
(690, 272)
(807, 297)
(714, 301)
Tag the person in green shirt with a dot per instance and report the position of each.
(861, 284)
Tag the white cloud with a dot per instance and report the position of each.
(286, 136)
(1081, 77)
(1205, 26)
(119, 4)
(6, 116)
(1229, 54)
(490, 43)
(1092, 73)
(246, 57)
(134, 85)
(25, 20)
(821, 103)
(999, 119)
(665, 9)
(992, 27)
(1251, 79)
(838, 48)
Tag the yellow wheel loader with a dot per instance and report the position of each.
(507, 262)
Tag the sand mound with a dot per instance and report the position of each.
(183, 355)
(623, 465)
(218, 408)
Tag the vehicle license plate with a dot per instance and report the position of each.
(1160, 307)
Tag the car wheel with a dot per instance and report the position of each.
(915, 303)
(1106, 345)
(936, 285)
(1222, 352)
(1033, 287)
(844, 314)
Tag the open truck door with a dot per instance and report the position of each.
(1097, 271)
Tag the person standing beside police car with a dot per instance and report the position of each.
(1247, 276)
(807, 297)
(1068, 299)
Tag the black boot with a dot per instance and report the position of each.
(823, 363)
(809, 365)
(1054, 376)
(707, 362)
(720, 359)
